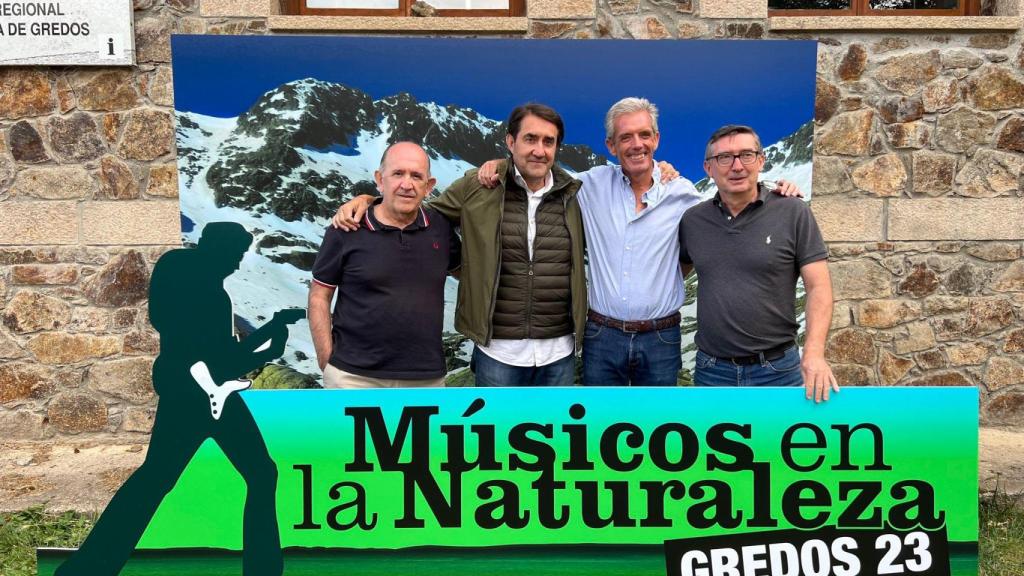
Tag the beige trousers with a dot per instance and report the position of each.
(335, 378)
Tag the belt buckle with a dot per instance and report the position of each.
(626, 323)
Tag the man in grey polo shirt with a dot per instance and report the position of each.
(748, 247)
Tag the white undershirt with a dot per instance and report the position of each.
(531, 351)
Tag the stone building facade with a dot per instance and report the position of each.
(919, 166)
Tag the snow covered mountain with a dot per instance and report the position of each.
(283, 166)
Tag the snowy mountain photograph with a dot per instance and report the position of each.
(276, 132)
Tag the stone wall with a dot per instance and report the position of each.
(918, 170)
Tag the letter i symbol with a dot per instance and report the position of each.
(110, 46)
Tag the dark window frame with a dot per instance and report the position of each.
(298, 7)
(863, 8)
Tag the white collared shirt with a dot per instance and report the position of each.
(531, 351)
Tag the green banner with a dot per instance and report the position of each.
(473, 468)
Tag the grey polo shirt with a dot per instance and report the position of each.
(747, 267)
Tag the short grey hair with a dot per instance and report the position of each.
(628, 106)
(731, 130)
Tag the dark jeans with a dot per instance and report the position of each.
(612, 357)
(490, 372)
(784, 371)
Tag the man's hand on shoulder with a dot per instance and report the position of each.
(668, 172)
(350, 213)
(487, 175)
(818, 377)
(787, 189)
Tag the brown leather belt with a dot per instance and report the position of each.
(634, 326)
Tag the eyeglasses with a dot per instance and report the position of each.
(747, 157)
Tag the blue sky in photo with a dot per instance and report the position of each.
(698, 85)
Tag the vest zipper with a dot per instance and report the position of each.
(497, 271)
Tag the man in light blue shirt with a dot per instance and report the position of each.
(632, 335)
(635, 287)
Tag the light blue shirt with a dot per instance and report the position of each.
(633, 257)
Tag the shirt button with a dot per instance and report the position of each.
(623, 298)
(728, 217)
(625, 273)
(628, 248)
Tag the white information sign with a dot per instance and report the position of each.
(66, 32)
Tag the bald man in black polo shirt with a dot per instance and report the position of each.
(390, 274)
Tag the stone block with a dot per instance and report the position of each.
(849, 219)
(1014, 341)
(830, 176)
(848, 134)
(76, 412)
(44, 274)
(963, 129)
(826, 101)
(31, 312)
(116, 180)
(131, 223)
(921, 282)
(10, 349)
(851, 346)
(933, 172)
(24, 92)
(907, 73)
(887, 313)
(1006, 408)
(995, 251)
(129, 379)
(163, 181)
(991, 173)
(29, 223)
(26, 144)
(148, 135)
(734, 9)
(561, 9)
(121, 282)
(105, 90)
(646, 28)
(54, 183)
(75, 138)
(61, 348)
(88, 319)
(21, 425)
(21, 381)
(956, 219)
(242, 8)
(995, 88)
(1002, 372)
(882, 176)
(988, 315)
(893, 368)
(1011, 279)
(967, 354)
(920, 336)
(941, 94)
(946, 378)
(541, 29)
(853, 375)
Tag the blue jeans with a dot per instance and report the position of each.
(490, 372)
(783, 371)
(612, 357)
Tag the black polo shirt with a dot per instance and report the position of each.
(390, 306)
(747, 268)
